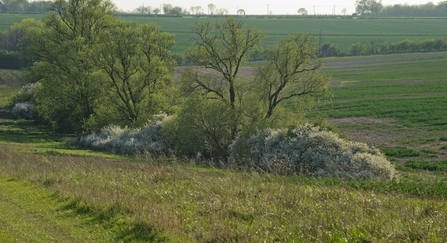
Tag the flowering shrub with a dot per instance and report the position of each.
(26, 93)
(23, 110)
(148, 140)
(309, 150)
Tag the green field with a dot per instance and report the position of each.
(340, 31)
(410, 88)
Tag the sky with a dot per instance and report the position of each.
(263, 6)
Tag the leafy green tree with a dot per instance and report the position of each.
(138, 66)
(368, 6)
(292, 70)
(63, 50)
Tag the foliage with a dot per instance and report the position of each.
(222, 47)
(311, 151)
(26, 94)
(363, 7)
(146, 141)
(138, 66)
(420, 10)
(405, 46)
(427, 165)
(291, 72)
(400, 152)
(62, 49)
(23, 110)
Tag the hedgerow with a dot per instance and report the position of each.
(309, 150)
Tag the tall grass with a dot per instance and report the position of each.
(172, 202)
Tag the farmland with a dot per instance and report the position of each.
(341, 31)
(53, 191)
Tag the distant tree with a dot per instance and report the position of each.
(196, 10)
(368, 6)
(241, 12)
(167, 8)
(211, 8)
(344, 11)
(222, 11)
(143, 10)
(302, 11)
(156, 11)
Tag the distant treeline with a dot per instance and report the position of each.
(424, 10)
(24, 6)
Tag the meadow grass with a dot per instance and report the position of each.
(172, 202)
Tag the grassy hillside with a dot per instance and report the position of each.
(82, 199)
(343, 32)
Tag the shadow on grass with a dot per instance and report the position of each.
(124, 231)
(24, 131)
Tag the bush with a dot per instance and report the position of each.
(26, 94)
(24, 110)
(309, 150)
(145, 141)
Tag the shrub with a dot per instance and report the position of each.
(24, 110)
(26, 94)
(145, 141)
(309, 150)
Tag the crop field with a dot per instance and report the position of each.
(392, 101)
(341, 31)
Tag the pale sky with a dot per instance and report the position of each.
(262, 6)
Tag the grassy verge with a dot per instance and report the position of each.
(32, 214)
(173, 202)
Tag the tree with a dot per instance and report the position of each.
(138, 64)
(368, 6)
(344, 11)
(291, 71)
(241, 12)
(302, 11)
(196, 10)
(222, 11)
(223, 48)
(62, 48)
(211, 8)
(213, 88)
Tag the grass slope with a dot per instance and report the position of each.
(172, 202)
(29, 213)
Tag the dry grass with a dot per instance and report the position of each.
(185, 203)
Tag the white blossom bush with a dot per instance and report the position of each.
(23, 110)
(309, 150)
(26, 93)
(145, 141)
